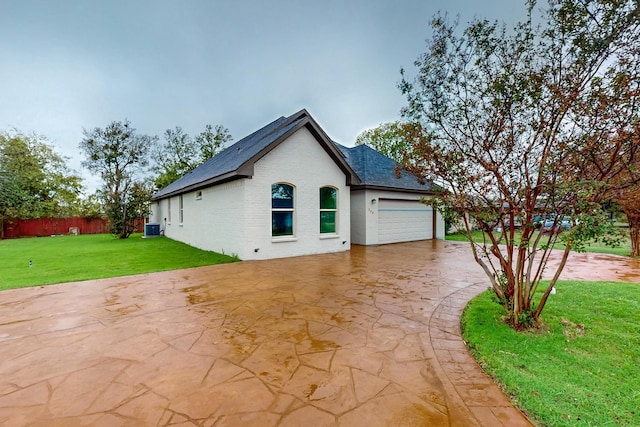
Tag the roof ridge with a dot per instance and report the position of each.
(292, 118)
(286, 122)
(258, 131)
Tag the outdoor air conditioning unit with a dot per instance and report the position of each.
(151, 229)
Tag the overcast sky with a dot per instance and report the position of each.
(68, 65)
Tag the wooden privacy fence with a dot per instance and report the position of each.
(37, 227)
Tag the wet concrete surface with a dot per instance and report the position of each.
(367, 337)
(599, 267)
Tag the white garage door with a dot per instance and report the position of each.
(404, 221)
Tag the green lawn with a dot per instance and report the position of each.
(624, 249)
(71, 258)
(583, 371)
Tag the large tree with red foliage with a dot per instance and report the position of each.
(609, 151)
(507, 118)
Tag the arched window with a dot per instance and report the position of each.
(328, 209)
(282, 209)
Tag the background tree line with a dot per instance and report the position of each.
(35, 181)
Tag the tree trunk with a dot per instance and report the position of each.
(634, 233)
(631, 208)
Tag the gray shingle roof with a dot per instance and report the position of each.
(237, 160)
(376, 170)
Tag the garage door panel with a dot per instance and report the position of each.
(403, 221)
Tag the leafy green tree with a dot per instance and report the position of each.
(391, 139)
(9, 196)
(91, 206)
(506, 119)
(179, 153)
(211, 141)
(9, 190)
(139, 203)
(120, 156)
(35, 181)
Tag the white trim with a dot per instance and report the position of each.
(324, 236)
(284, 239)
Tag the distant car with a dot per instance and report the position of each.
(563, 224)
(516, 224)
(538, 221)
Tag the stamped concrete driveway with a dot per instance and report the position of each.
(367, 337)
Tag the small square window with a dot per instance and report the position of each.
(198, 195)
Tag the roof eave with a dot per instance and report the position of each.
(221, 179)
(334, 152)
(428, 192)
(327, 144)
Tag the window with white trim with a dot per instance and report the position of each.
(282, 209)
(181, 210)
(328, 210)
(169, 209)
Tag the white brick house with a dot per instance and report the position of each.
(285, 190)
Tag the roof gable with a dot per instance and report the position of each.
(237, 160)
(376, 170)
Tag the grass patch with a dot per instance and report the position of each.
(624, 249)
(583, 370)
(461, 236)
(73, 258)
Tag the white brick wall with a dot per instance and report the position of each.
(211, 222)
(303, 163)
